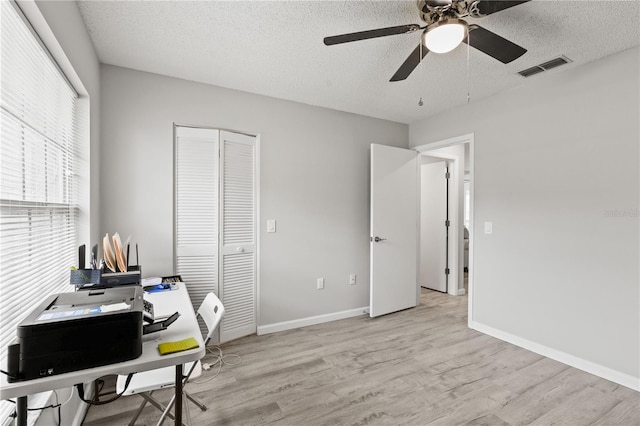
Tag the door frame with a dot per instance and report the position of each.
(459, 260)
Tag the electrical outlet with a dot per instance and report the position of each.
(320, 283)
(352, 279)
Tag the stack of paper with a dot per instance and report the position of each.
(116, 257)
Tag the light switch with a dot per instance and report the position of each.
(488, 227)
(271, 225)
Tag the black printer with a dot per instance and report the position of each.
(74, 331)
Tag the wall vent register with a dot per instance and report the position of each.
(545, 66)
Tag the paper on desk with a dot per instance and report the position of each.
(114, 307)
(109, 257)
(151, 281)
(117, 247)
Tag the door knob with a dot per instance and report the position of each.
(378, 239)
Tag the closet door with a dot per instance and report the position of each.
(196, 209)
(238, 235)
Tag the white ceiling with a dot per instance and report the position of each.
(275, 48)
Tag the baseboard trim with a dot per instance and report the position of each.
(607, 373)
(305, 322)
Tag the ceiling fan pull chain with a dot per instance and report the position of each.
(421, 79)
(468, 49)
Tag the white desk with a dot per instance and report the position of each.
(164, 303)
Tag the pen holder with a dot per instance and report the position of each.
(132, 276)
(84, 276)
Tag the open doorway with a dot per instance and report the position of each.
(433, 260)
(457, 154)
(395, 252)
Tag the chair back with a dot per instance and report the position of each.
(211, 310)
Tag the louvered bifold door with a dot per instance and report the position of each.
(238, 235)
(196, 199)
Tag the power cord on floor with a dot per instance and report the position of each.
(219, 359)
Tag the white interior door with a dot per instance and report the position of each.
(238, 206)
(196, 211)
(433, 232)
(394, 230)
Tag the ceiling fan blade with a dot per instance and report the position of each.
(363, 35)
(410, 64)
(493, 45)
(487, 7)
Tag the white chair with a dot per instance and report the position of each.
(211, 311)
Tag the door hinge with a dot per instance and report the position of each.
(447, 175)
(447, 271)
(447, 223)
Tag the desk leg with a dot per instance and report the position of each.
(178, 402)
(21, 411)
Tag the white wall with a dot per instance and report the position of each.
(556, 170)
(314, 181)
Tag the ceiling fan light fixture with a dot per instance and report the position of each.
(445, 35)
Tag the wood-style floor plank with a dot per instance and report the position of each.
(421, 366)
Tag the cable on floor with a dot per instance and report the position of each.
(220, 359)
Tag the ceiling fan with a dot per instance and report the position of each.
(444, 31)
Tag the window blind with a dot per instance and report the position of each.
(39, 152)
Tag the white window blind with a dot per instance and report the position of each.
(39, 153)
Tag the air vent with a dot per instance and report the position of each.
(561, 60)
(531, 71)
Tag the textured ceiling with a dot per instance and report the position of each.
(276, 48)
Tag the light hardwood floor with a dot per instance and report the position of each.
(415, 367)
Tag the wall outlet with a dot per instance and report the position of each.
(271, 225)
(352, 279)
(320, 283)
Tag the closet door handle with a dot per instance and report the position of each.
(378, 239)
